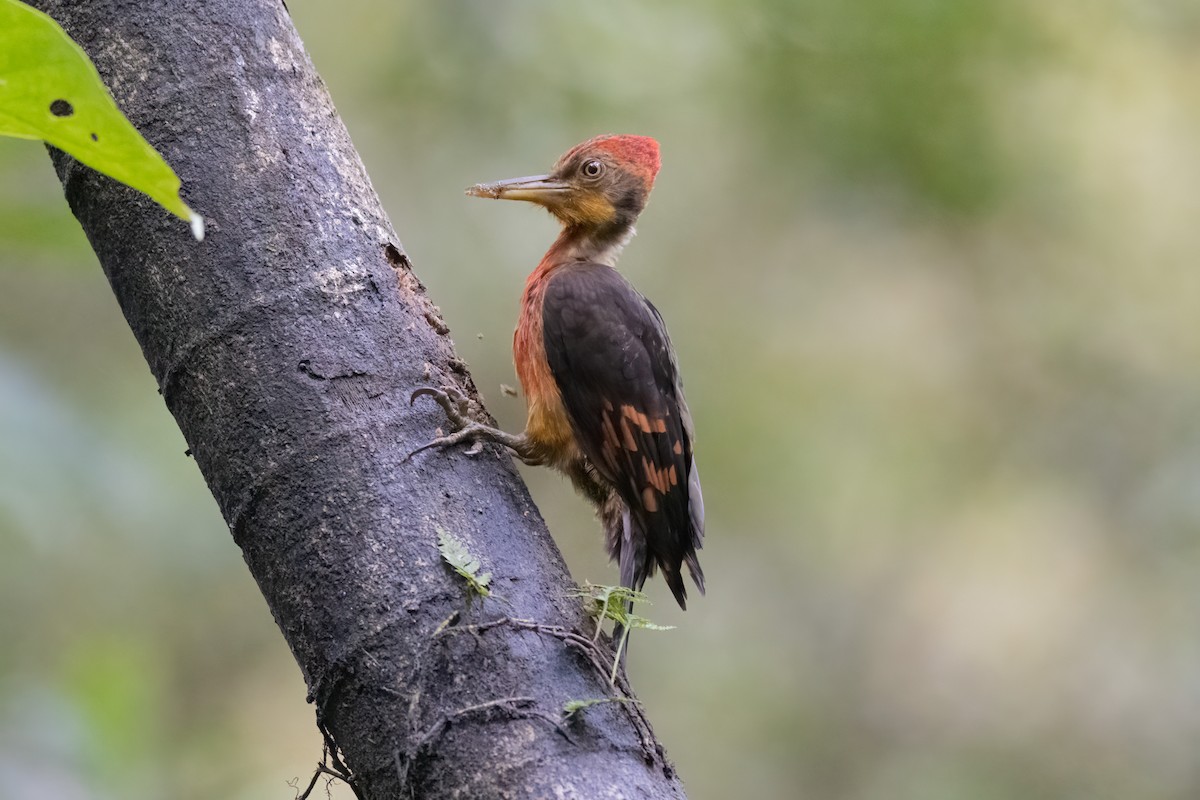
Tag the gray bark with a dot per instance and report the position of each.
(286, 345)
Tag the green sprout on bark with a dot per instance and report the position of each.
(616, 603)
(573, 707)
(461, 560)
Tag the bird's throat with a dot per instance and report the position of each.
(599, 245)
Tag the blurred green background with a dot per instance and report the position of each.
(931, 268)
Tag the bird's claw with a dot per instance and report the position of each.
(466, 429)
(471, 432)
(458, 414)
(453, 402)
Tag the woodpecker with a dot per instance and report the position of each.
(600, 378)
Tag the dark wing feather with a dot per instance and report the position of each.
(610, 355)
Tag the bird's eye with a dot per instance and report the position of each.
(592, 168)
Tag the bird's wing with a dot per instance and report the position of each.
(612, 360)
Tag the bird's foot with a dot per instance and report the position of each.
(466, 429)
(453, 402)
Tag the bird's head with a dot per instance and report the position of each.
(598, 186)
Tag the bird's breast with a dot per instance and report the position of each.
(547, 424)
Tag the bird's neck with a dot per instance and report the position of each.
(595, 244)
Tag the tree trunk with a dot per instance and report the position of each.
(286, 346)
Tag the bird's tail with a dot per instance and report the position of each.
(631, 553)
(627, 546)
(641, 544)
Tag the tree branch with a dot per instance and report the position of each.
(286, 346)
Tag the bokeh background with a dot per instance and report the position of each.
(931, 268)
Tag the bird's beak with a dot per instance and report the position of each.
(542, 189)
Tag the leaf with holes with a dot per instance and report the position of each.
(50, 90)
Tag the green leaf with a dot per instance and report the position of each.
(572, 707)
(616, 603)
(456, 554)
(646, 625)
(50, 90)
